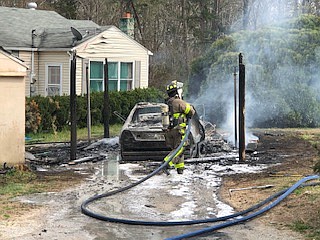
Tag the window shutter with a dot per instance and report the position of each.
(85, 64)
(137, 74)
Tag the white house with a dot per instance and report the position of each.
(44, 40)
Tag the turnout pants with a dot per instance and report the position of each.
(173, 139)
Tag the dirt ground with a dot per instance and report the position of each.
(203, 191)
(296, 158)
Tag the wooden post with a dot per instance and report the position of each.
(106, 101)
(73, 113)
(242, 139)
(88, 103)
(235, 109)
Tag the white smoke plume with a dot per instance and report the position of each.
(218, 93)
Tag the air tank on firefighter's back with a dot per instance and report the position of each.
(165, 116)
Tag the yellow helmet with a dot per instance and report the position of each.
(173, 87)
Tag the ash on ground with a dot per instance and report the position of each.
(214, 149)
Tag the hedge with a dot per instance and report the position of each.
(51, 114)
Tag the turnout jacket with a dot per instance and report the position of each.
(179, 110)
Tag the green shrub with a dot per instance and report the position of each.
(54, 112)
(33, 118)
(63, 115)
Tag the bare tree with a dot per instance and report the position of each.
(42, 4)
(177, 31)
(245, 17)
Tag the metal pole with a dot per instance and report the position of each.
(73, 113)
(88, 104)
(242, 140)
(235, 109)
(106, 101)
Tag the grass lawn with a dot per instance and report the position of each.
(15, 183)
(65, 135)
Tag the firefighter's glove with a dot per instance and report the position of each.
(189, 116)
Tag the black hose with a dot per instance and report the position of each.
(176, 223)
(281, 194)
(84, 205)
(245, 218)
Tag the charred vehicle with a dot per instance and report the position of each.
(142, 136)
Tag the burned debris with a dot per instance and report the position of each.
(53, 154)
(215, 148)
(141, 139)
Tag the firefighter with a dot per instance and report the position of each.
(179, 111)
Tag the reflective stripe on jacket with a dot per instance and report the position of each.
(179, 110)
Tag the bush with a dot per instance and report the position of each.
(33, 118)
(51, 114)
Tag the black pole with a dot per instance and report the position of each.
(242, 140)
(73, 113)
(235, 109)
(106, 101)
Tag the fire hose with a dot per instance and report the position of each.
(241, 218)
(282, 195)
(169, 157)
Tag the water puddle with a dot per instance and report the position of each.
(110, 168)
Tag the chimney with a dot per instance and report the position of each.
(127, 24)
(32, 5)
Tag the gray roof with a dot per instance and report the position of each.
(51, 29)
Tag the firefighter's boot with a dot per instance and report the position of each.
(180, 170)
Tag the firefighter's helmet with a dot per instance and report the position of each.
(174, 88)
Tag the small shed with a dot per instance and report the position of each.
(12, 109)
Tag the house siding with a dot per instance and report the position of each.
(116, 47)
(111, 44)
(80, 81)
(47, 58)
(41, 60)
(26, 57)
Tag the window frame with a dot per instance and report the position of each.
(47, 85)
(118, 63)
(126, 79)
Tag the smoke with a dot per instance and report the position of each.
(279, 81)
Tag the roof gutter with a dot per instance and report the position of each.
(37, 49)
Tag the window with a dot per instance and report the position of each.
(126, 76)
(96, 76)
(120, 76)
(113, 76)
(54, 75)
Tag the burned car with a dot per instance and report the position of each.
(142, 136)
